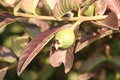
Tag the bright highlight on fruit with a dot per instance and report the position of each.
(64, 38)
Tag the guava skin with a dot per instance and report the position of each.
(65, 38)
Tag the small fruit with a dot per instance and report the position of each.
(64, 38)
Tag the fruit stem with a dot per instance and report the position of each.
(76, 24)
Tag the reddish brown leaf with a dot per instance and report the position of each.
(6, 18)
(110, 22)
(34, 47)
(88, 39)
(101, 7)
(69, 59)
(57, 57)
(114, 6)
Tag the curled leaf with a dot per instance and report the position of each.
(57, 57)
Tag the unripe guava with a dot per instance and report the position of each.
(65, 38)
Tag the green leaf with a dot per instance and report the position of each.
(92, 63)
(90, 10)
(64, 6)
(19, 44)
(115, 61)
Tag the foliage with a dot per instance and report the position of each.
(28, 28)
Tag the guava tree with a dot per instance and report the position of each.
(62, 28)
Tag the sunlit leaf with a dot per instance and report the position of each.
(6, 55)
(19, 44)
(34, 47)
(90, 10)
(29, 5)
(64, 6)
(3, 73)
(51, 3)
(10, 3)
(114, 6)
(85, 76)
(101, 6)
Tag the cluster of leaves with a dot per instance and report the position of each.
(38, 18)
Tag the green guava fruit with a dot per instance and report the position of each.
(65, 38)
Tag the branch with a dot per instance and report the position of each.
(83, 18)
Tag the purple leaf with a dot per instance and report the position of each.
(35, 46)
(6, 18)
(110, 22)
(69, 59)
(101, 7)
(6, 55)
(57, 57)
(88, 39)
(114, 6)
